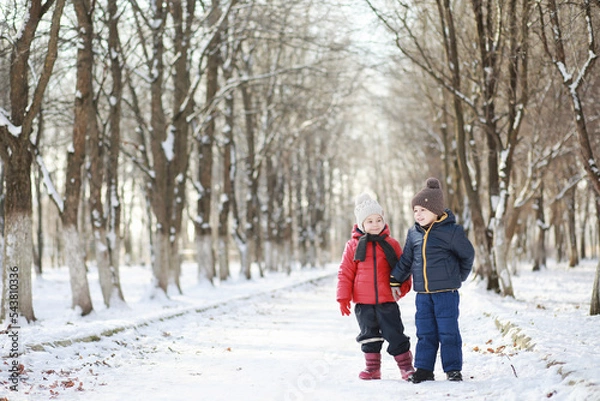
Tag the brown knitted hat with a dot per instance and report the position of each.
(431, 197)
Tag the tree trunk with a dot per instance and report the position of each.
(161, 248)
(84, 111)
(38, 252)
(483, 237)
(205, 140)
(74, 258)
(287, 251)
(558, 229)
(500, 253)
(167, 140)
(584, 224)
(540, 223)
(252, 230)
(205, 258)
(108, 276)
(18, 237)
(227, 187)
(272, 231)
(15, 151)
(595, 301)
(175, 264)
(571, 228)
(113, 199)
(2, 204)
(183, 14)
(275, 216)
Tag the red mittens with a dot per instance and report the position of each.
(344, 307)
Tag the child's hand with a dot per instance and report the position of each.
(399, 290)
(397, 293)
(345, 307)
(396, 290)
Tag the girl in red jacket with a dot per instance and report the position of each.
(364, 278)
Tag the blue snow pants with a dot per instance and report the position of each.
(381, 322)
(436, 321)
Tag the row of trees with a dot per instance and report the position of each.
(245, 128)
(512, 98)
(213, 111)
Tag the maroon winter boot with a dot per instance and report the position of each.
(404, 362)
(373, 369)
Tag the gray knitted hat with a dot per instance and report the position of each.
(365, 206)
(431, 197)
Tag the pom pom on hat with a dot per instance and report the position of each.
(365, 206)
(431, 197)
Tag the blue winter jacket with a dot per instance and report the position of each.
(439, 258)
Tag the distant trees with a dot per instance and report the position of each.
(477, 53)
(242, 130)
(574, 69)
(171, 106)
(509, 137)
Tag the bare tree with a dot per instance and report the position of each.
(595, 301)
(2, 198)
(84, 120)
(573, 80)
(540, 244)
(113, 200)
(163, 139)
(105, 218)
(205, 136)
(229, 50)
(16, 128)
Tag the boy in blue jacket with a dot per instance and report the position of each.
(440, 257)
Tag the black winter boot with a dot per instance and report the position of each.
(421, 375)
(454, 376)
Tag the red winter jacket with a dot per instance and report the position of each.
(367, 282)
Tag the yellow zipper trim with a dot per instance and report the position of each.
(425, 258)
(443, 217)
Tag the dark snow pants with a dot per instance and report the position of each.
(436, 320)
(378, 323)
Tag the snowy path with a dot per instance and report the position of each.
(284, 345)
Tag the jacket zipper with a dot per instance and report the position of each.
(425, 237)
(375, 273)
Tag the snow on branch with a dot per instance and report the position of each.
(54, 195)
(5, 122)
(168, 144)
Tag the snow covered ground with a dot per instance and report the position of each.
(282, 338)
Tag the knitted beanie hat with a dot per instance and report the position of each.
(431, 197)
(366, 206)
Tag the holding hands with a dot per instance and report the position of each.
(400, 289)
